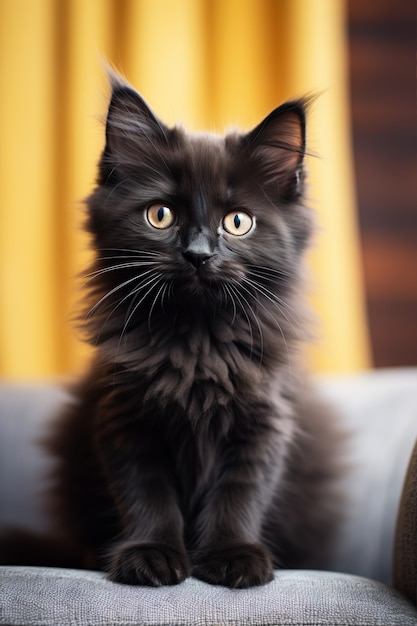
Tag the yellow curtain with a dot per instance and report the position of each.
(209, 64)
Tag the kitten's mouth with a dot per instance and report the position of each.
(198, 279)
(199, 282)
(199, 275)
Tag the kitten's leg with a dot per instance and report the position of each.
(229, 549)
(151, 550)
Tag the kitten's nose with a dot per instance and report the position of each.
(196, 258)
(198, 250)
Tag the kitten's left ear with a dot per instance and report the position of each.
(278, 146)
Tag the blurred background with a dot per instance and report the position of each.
(382, 49)
(212, 64)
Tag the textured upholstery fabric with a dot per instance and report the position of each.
(63, 597)
(380, 410)
(405, 561)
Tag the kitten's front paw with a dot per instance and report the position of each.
(238, 566)
(150, 564)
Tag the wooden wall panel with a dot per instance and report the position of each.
(382, 39)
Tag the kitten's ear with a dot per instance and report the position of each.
(278, 146)
(129, 119)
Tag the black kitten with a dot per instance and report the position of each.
(194, 446)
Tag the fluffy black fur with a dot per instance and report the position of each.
(195, 445)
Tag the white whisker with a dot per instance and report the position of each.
(277, 324)
(229, 295)
(276, 273)
(109, 294)
(153, 282)
(278, 303)
(132, 250)
(164, 288)
(120, 266)
(168, 287)
(129, 295)
(239, 297)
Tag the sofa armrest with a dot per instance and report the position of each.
(405, 547)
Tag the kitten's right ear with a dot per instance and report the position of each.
(129, 120)
(278, 145)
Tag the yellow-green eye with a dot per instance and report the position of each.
(238, 223)
(160, 216)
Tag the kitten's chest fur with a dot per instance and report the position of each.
(200, 361)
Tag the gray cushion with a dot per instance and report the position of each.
(49, 597)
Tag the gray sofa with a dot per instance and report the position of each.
(379, 407)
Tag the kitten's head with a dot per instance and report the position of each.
(196, 221)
